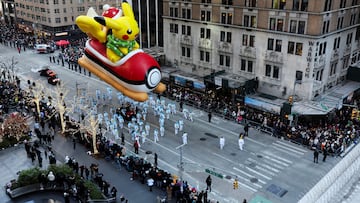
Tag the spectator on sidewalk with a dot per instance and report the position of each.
(208, 183)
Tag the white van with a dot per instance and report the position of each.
(44, 48)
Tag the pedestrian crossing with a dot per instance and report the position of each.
(260, 168)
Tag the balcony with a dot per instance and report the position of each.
(205, 43)
(273, 56)
(225, 47)
(185, 60)
(186, 39)
(249, 52)
(347, 50)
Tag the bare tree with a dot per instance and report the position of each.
(38, 92)
(58, 101)
(8, 69)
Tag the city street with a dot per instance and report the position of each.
(268, 169)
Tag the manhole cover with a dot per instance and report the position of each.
(254, 180)
(211, 135)
(259, 156)
(233, 154)
(203, 139)
(148, 152)
(252, 164)
(228, 177)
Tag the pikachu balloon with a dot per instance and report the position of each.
(113, 54)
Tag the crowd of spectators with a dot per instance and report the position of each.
(333, 132)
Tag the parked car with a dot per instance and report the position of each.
(45, 71)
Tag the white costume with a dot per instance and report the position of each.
(162, 131)
(241, 143)
(222, 142)
(181, 125)
(184, 138)
(156, 135)
(176, 126)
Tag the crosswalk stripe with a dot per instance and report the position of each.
(250, 176)
(266, 171)
(275, 160)
(277, 166)
(260, 174)
(287, 148)
(285, 151)
(278, 157)
(264, 165)
(291, 146)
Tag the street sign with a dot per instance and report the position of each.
(211, 172)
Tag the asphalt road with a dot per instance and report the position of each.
(268, 170)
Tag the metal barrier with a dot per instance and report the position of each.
(334, 181)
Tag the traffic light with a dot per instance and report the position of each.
(236, 184)
(354, 114)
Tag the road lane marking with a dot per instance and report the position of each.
(231, 161)
(264, 165)
(260, 174)
(246, 179)
(278, 157)
(291, 146)
(285, 151)
(287, 148)
(275, 160)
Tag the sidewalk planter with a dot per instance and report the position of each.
(28, 181)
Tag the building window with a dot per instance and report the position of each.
(250, 3)
(226, 18)
(205, 15)
(353, 19)
(56, 10)
(224, 60)
(319, 75)
(227, 2)
(174, 28)
(327, 6)
(174, 12)
(322, 48)
(340, 22)
(276, 46)
(346, 62)
(65, 19)
(57, 20)
(336, 43)
(333, 68)
(295, 48)
(249, 21)
(276, 24)
(349, 38)
(246, 65)
(225, 36)
(205, 33)
(342, 3)
(186, 30)
(325, 28)
(354, 2)
(272, 71)
(56, 2)
(185, 52)
(297, 26)
(64, 10)
(206, 1)
(248, 40)
(300, 5)
(204, 56)
(278, 4)
(186, 13)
